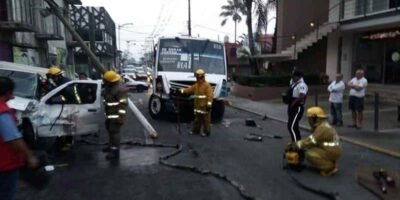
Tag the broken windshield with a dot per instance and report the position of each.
(25, 83)
(187, 55)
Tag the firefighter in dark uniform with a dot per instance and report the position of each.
(68, 95)
(296, 105)
(203, 97)
(321, 148)
(115, 95)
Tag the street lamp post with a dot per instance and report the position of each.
(119, 33)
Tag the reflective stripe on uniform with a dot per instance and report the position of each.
(78, 98)
(209, 103)
(112, 104)
(200, 96)
(313, 139)
(112, 116)
(331, 144)
(200, 111)
(122, 111)
(123, 100)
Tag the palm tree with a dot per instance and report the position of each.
(234, 9)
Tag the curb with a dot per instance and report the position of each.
(343, 138)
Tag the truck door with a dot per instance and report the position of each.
(71, 109)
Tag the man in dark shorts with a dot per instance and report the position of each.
(357, 87)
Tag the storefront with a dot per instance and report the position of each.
(378, 53)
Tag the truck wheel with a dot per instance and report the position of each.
(156, 107)
(217, 112)
(140, 88)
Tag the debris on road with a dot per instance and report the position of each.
(253, 137)
(250, 122)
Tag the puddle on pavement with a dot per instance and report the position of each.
(133, 159)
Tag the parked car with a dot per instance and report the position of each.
(132, 84)
(141, 74)
(40, 115)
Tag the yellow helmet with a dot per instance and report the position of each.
(111, 76)
(55, 71)
(316, 112)
(199, 73)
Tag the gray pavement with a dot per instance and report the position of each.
(257, 166)
(386, 140)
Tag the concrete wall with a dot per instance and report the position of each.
(294, 16)
(347, 56)
(332, 55)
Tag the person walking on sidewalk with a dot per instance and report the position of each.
(203, 98)
(14, 152)
(336, 89)
(115, 95)
(299, 91)
(357, 87)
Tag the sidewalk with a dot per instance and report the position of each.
(386, 141)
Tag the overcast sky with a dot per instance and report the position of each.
(153, 18)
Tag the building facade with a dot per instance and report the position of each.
(30, 34)
(340, 36)
(368, 38)
(97, 29)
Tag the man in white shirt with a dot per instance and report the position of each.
(296, 105)
(336, 89)
(357, 87)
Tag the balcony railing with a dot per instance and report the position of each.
(17, 15)
(353, 9)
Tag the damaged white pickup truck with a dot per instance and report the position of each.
(41, 115)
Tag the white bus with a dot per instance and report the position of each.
(177, 58)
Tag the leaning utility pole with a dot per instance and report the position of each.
(55, 9)
(189, 21)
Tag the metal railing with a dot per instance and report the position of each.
(314, 26)
(341, 10)
(352, 9)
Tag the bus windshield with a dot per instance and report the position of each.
(187, 55)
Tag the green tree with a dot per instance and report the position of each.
(234, 9)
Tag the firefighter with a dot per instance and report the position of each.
(115, 95)
(203, 97)
(68, 95)
(321, 148)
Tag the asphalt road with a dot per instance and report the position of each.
(257, 166)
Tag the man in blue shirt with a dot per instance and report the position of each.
(14, 152)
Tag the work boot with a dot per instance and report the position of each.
(113, 154)
(205, 134)
(329, 172)
(106, 149)
(193, 133)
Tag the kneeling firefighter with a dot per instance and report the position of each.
(203, 98)
(115, 95)
(321, 148)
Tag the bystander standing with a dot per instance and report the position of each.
(14, 153)
(357, 87)
(336, 89)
